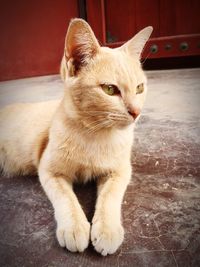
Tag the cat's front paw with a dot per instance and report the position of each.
(74, 237)
(106, 238)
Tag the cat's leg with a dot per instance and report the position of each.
(107, 232)
(73, 229)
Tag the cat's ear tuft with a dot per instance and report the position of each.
(135, 45)
(81, 45)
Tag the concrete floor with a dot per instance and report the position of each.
(161, 209)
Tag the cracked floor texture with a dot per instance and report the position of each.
(161, 208)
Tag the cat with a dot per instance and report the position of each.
(87, 134)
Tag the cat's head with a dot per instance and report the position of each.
(106, 87)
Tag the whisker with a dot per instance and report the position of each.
(104, 119)
(93, 129)
(101, 112)
(93, 125)
(94, 122)
(117, 116)
(142, 62)
(98, 127)
(109, 115)
(104, 114)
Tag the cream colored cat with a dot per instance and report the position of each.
(88, 134)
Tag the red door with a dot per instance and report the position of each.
(176, 24)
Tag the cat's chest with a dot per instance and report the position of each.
(93, 158)
(96, 163)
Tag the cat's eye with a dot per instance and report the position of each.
(140, 89)
(110, 89)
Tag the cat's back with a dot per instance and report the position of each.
(23, 134)
(22, 119)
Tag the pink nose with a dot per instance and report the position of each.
(134, 112)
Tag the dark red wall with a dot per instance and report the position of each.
(32, 36)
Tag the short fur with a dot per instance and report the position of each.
(88, 134)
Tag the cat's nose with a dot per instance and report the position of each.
(134, 112)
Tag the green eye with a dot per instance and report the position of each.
(140, 88)
(110, 89)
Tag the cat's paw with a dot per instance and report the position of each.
(106, 239)
(74, 237)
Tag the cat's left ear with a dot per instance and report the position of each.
(81, 45)
(135, 45)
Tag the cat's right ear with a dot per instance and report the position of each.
(136, 45)
(81, 45)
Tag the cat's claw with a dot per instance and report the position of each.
(74, 238)
(106, 239)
